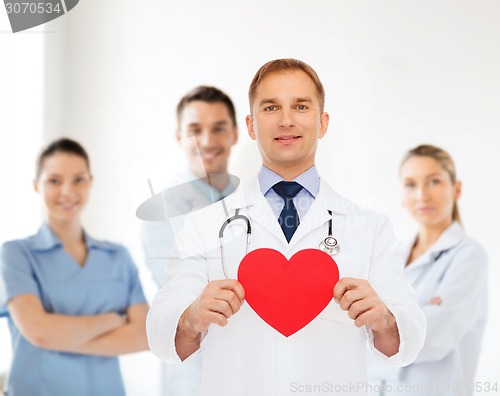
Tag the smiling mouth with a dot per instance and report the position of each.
(207, 156)
(67, 206)
(287, 138)
(425, 209)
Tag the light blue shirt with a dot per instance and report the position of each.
(309, 180)
(211, 193)
(108, 282)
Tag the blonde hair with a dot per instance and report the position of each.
(446, 162)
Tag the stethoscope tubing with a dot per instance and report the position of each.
(329, 245)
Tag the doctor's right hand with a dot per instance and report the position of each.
(220, 300)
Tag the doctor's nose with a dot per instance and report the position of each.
(67, 189)
(205, 139)
(422, 193)
(286, 119)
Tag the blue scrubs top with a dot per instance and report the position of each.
(108, 282)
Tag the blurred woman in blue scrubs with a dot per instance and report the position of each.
(449, 273)
(75, 302)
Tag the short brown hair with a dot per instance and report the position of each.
(209, 95)
(284, 65)
(444, 159)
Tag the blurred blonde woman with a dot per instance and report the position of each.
(449, 273)
(74, 302)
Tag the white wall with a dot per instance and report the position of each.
(21, 131)
(397, 73)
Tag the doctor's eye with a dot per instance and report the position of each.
(54, 181)
(80, 180)
(219, 129)
(270, 108)
(301, 107)
(409, 185)
(435, 182)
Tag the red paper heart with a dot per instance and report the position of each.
(288, 295)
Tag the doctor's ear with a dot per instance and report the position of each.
(458, 190)
(251, 131)
(324, 121)
(35, 186)
(178, 136)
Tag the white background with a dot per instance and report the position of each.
(397, 74)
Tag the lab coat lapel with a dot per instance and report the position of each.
(318, 215)
(451, 237)
(258, 209)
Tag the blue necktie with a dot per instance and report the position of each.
(289, 218)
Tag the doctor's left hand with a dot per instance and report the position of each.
(363, 305)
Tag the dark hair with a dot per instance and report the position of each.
(63, 145)
(284, 65)
(444, 159)
(209, 95)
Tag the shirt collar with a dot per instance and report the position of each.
(45, 239)
(308, 179)
(93, 243)
(212, 194)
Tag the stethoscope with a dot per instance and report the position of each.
(329, 245)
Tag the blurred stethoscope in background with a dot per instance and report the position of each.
(329, 245)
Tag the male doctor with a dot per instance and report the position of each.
(289, 207)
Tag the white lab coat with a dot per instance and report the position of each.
(455, 269)
(248, 357)
(158, 236)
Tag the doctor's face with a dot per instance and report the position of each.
(287, 121)
(428, 192)
(64, 186)
(206, 134)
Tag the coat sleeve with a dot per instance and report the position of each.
(188, 267)
(464, 292)
(387, 278)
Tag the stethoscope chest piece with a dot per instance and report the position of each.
(329, 245)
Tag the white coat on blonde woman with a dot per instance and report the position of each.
(455, 270)
(449, 273)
